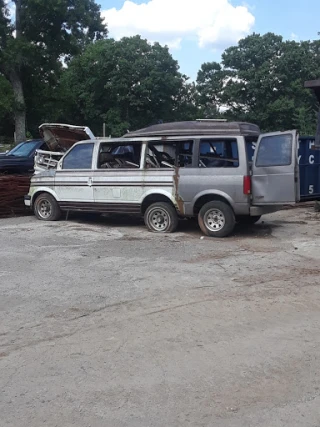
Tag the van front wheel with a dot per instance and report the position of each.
(216, 219)
(161, 218)
(46, 208)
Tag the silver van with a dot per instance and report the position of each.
(174, 170)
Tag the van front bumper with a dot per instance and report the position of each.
(27, 200)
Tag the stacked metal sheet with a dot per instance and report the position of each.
(13, 188)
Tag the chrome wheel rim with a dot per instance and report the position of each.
(214, 220)
(44, 209)
(159, 219)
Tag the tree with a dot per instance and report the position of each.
(304, 119)
(210, 81)
(262, 80)
(6, 99)
(186, 107)
(42, 35)
(251, 84)
(127, 84)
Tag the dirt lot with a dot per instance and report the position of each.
(105, 324)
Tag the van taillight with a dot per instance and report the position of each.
(247, 184)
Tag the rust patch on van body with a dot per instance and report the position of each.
(178, 199)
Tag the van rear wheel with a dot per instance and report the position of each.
(216, 219)
(161, 218)
(46, 208)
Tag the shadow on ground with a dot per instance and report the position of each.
(188, 226)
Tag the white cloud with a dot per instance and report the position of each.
(174, 44)
(213, 23)
(294, 37)
(12, 10)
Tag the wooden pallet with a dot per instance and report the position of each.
(13, 188)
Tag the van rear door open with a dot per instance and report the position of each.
(275, 169)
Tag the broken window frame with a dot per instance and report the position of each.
(225, 162)
(162, 159)
(117, 162)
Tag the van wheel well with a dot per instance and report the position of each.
(206, 199)
(36, 195)
(154, 198)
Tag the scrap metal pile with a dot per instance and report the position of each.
(58, 138)
(13, 188)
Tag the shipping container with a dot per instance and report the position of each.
(309, 162)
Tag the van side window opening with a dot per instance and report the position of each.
(164, 155)
(123, 156)
(251, 142)
(275, 151)
(80, 157)
(218, 153)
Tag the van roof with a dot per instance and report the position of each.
(197, 128)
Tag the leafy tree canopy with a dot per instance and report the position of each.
(127, 84)
(262, 80)
(42, 35)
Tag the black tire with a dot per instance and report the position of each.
(161, 218)
(249, 220)
(216, 219)
(46, 208)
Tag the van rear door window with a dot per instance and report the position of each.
(218, 153)
(275, 150)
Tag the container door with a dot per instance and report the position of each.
(275, 169)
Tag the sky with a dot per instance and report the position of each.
(198, 31)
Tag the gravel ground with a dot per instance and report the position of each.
(105, 324)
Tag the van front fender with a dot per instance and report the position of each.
(38, 190)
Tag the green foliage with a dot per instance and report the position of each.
(47, 31)
(210, 88)
(46, 34)
(186, 102)
(6, 27)
(305, 120)
(262, 80)
(127, 84)
(6, 106)
(6, 98)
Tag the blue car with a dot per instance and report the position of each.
(20, 160)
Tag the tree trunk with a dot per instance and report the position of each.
(16, 83)
(19, 107)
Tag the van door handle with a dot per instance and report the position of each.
(90, 182)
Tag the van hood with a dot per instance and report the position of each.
(61, 137)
